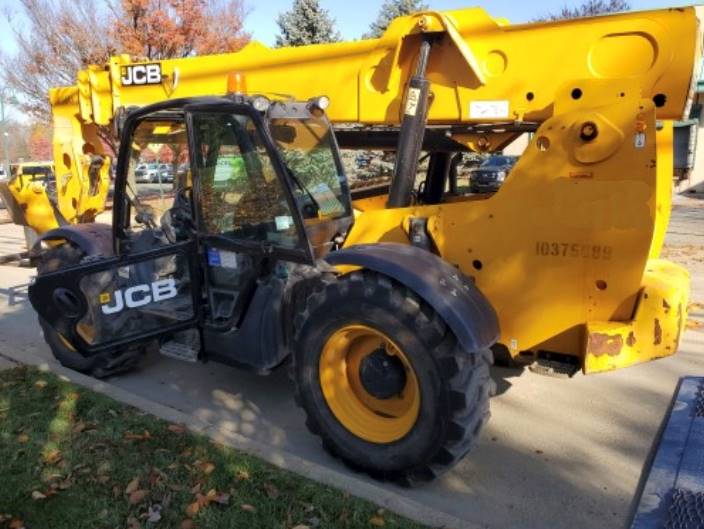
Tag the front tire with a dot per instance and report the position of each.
(384, 382)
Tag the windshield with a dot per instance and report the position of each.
(307, 148)
(498, 161)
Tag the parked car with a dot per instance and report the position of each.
(491, 174)
(165, 176)
(146, 173)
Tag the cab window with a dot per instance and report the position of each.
(241, 194)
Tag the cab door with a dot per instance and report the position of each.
(250, 228)
(150, 287)
(248, 221)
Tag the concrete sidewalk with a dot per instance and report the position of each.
(556, 453)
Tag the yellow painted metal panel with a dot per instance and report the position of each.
(655, 329)
(665, 174)
(566, 239)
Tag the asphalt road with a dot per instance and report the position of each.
(556, 453)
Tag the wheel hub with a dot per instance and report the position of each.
(382, 375)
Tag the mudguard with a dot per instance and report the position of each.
(93, 238)
(452, 295)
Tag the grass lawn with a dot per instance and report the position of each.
(72, 458)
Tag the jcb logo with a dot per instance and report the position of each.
(139, 74)
(138, 296)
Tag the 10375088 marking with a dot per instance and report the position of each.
(573, 249)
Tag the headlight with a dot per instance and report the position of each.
(261, 103)
(501, 176)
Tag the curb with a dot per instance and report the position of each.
(392, 500)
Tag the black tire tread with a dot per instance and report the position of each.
(466, 374)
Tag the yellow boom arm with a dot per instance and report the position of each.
(481, 70)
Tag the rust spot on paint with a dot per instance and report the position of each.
(605, 344)
(657, 333)
(631, 340)
(666, 306)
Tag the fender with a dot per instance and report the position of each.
(93, 238)
(455, 297)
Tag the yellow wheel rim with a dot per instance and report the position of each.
(372, 419)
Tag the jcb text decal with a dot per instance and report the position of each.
(141, 74)
(138, 296)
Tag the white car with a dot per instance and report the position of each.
(146, 173)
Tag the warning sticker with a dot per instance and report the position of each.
(488, 109)
(412, 103)
(639, 141)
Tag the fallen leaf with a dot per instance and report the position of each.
(52, 456)
(36, 495)
(376, 521)
(242, 475)
(186, 453)
(246, 507)
(207, 468)
(103, 478)
(79, 427)
(116, 491)
(104, 468)
(16, 523)
(271, 490)
(129, 436)
(301, 526)
(133, 523)
(137, 496)
(132, 486)
(63, 485)
(694, 324)
(187, 524)
(23, 438)
(193, 509)
(177, 428)
(196, 488)
(41, 384)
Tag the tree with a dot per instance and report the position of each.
(305, 23)
(162, 29)
(588, 9)
(389, 10)
(57, 39)
(39, 143)
(61, 37)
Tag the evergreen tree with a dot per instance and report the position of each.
(589, 8)
(306, 23)
(391, 9)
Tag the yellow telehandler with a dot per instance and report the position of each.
(387, 307)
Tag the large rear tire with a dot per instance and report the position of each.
(384, 381)
(98, 366)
